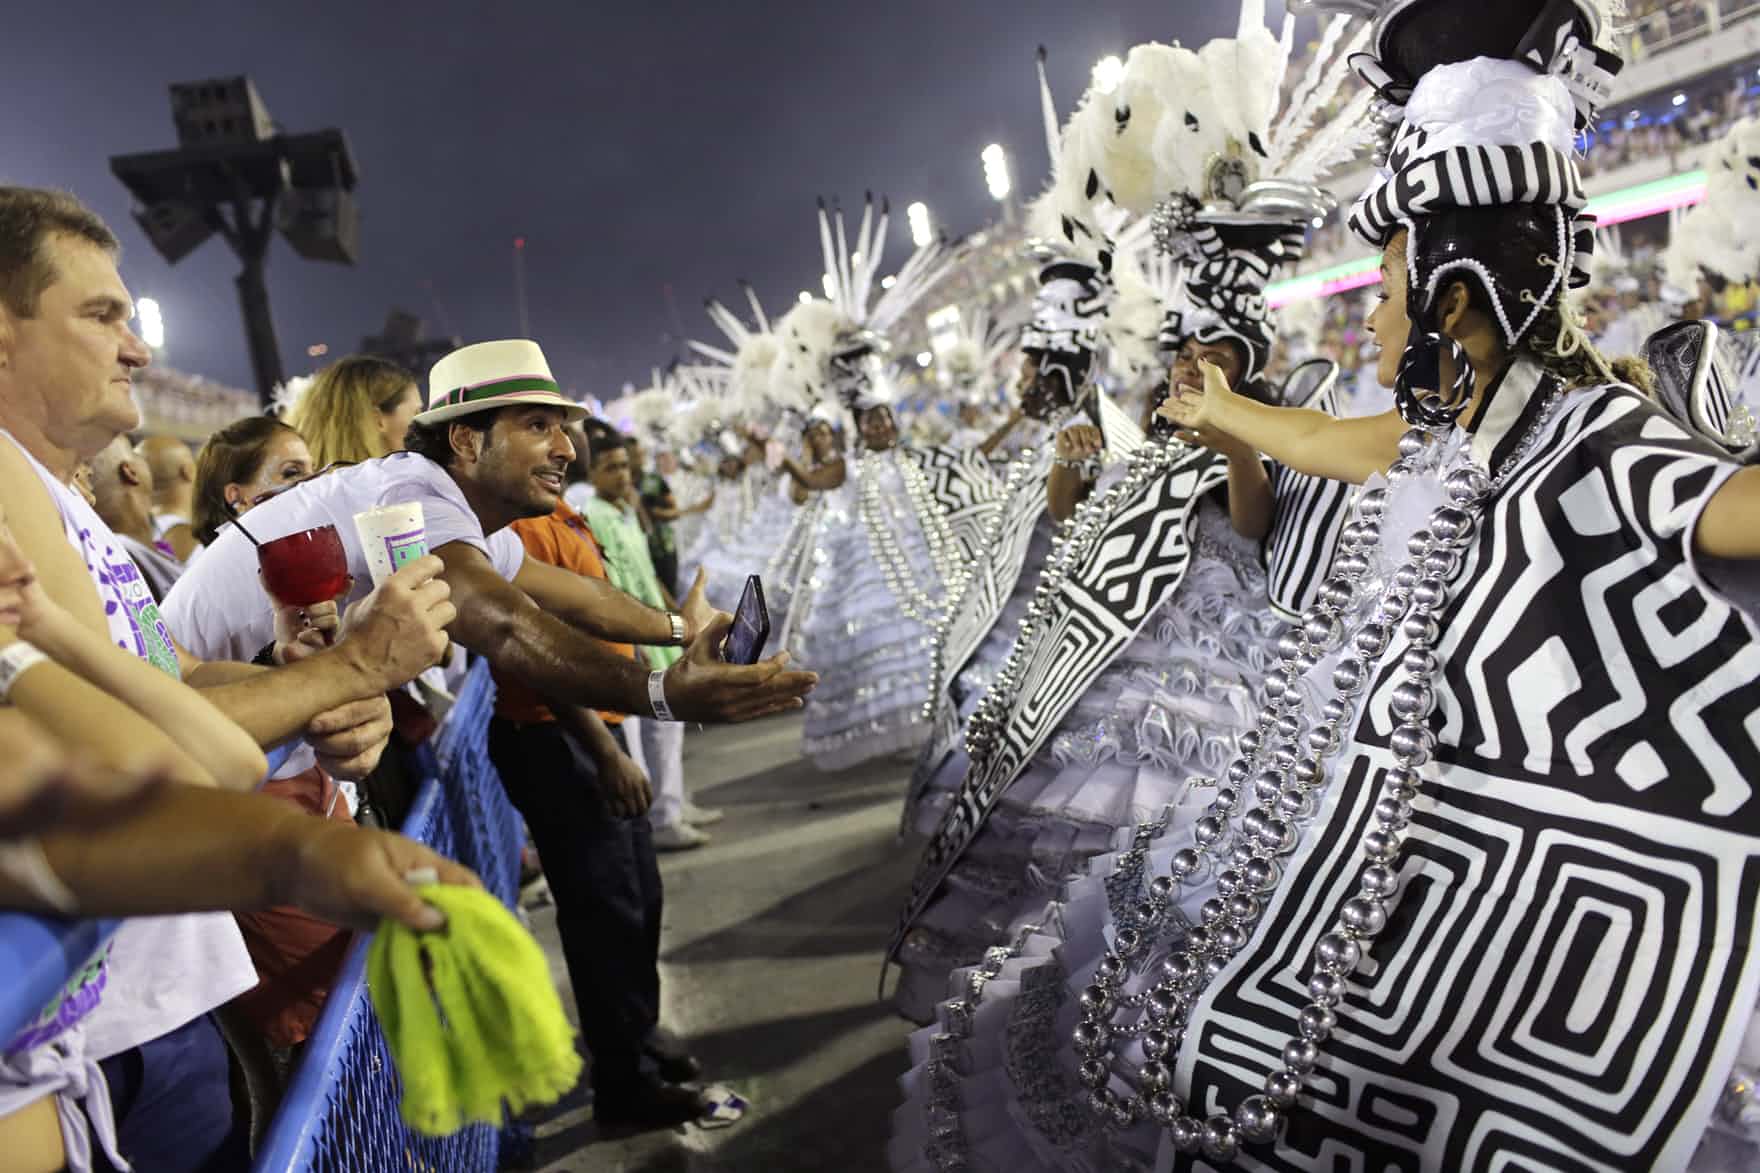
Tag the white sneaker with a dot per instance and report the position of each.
(678, 837)
(701, 816)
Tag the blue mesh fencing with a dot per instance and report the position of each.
(340, 1112)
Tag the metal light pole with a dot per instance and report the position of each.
(234, 173)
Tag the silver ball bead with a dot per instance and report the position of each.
(1111, 969)
(1429, 594)
(1282, 1088)
(1412, 700)
(1186, 1133)
(1096, 999)
(1406, 576)
(1185, 861)
(1414, 442)
(1379, 881)
(1452, 527)
(1258, 1119)
(1093, 1073)
(1277, 836)
(1316, 1022)
(1441, 563)
(1466, 486)
(1323, 632)
(1323, 738)
(1261, 875)
(1161, 888)
(1221, 1140)
(1381, 846)
(1289, 727)
(1422, 629)
(1213, 967)
(1155, 1075)
(1349, 676)
(1166, 1107)
(1156, 1044)
(1248, 742)
(1209, 830)
(1241, 769)
(1412, 745)
(1091, 1037)
(1351, 565)
(1228, 881)
(1327, 989)
(1392, 813)
(1393, 607)
(1421, 543)
(1242, 907)
(1198, 940)
(1419, 662)
(1213, 911)
(1362, 916)
(1306, 772)
(1371, 640)
(1295, 803)
(1337, 593)
(1163, 1004)
(1100, 1102)
(1229, 940)
(1128, 942)
(1337, 953)
(1372, 504)
(1300, 1055)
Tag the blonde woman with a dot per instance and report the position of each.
(356, 409)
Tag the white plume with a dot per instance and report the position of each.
(1718, 235)
(287, 395)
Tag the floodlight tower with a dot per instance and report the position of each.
(235, 173)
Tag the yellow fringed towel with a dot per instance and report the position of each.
(470, 1014)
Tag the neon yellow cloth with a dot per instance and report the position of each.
(470, 1015)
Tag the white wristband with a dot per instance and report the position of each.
(23, 862)
(15, 660)
(657, 696)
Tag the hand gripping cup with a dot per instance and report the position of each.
(392, 536)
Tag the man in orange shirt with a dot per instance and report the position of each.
(585, 803)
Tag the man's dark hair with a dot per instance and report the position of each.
(601, 439)
(434, 440)
(28, 217)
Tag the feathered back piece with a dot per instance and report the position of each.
(1718, 235)
(1195, 142)
(287, 395)
(749, 362)
(836, 346)
(973, 363)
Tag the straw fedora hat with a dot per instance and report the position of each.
(488, 375)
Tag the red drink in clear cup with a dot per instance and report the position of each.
(305, 569)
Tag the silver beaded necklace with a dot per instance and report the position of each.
(1284, 762)
(916, 600)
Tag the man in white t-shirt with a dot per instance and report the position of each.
(66, 361)
(489, 450)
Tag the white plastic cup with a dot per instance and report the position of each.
(392, 536)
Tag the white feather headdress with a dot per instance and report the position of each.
(816, 336)
(973, 363)
(1718, 235)
(749, 362)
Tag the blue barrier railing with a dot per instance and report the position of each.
(340, 1112)
(39, 955)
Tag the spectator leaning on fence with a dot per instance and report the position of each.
(66, 361)
(489, 450)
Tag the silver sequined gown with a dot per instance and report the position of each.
(1169, 707)
(872, 657)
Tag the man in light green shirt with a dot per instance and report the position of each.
(658, 746)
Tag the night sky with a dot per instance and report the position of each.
(634, 146)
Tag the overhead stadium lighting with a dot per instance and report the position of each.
(918, 215)
(152, 322)
(995, 161)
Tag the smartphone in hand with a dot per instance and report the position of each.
(751, 626)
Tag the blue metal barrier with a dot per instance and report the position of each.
(39, 955)
(340, 1112)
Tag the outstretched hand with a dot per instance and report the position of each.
(703, 687)
(698, 613)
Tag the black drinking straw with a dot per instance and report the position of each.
(246, 533)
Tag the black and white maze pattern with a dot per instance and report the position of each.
(1569, 964)
(966, 489)
(996, 573)
(1310, 514)
(1138, 562)
(998, 568)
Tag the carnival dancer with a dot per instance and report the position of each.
(1439, 914)
(893, 543)
(1056, 382)
(1149, 632)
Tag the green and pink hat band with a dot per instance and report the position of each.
(497, 388)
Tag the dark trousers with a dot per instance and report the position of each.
(606, 883)
(173, 1103)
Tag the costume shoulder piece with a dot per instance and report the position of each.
(1309, 513)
